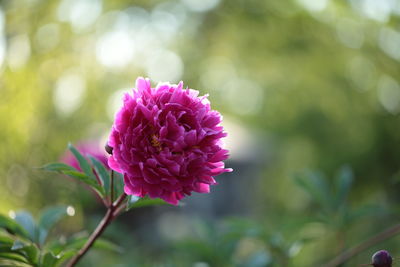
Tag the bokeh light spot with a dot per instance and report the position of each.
(314, 5)
(12, 214)
(17, 180)
(389, 94)
(115, 101)
(68, 93)
(389, 42)
(350, 33)
(19, 51)
(115, 49)
(200, 6)
(2, 37)
(70, 211)
(47, 37)
(81, 14)
(164, 65)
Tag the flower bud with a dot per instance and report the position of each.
(381, 258)
(108, 149)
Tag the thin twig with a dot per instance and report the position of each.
(119, 210)
(108, 217)
(119, 200)
(388, 233)
(112, 187)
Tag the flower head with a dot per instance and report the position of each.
(167, 142)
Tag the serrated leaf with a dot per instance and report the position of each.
(27, 222)
(12, 226)
(48, 219)
(136, 202)
(85, 166)
(102, 174)
(58, 167)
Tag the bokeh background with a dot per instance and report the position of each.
(310, 94)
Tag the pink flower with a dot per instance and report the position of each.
(167, 142)
(86, 149)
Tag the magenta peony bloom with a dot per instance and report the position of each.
(86, 149)
(167, 142)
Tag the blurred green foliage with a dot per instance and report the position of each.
(302, 85)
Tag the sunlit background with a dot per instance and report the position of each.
(305, 86)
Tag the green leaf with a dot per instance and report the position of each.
(315, 185)
(48, 219)
(76, 242)
(98, 244)
(259, 258)
(13, 263)
(17, 245)
(26, 220)
(49, 260)
(363, 212)
(105, 244)
(137, 202)
(58, 167)
(29, 250)
(6, 241)
(65, 255)
(12, 226)
(130, 201)
(102, 174)
(196, 247)
(343, 181)
(118, 183)
(85, 166)
(87, 180)
(13, 256)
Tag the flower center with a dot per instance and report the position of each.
(155, 143)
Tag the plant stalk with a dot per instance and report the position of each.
(343, 257)
(107, 219)
(112, 187)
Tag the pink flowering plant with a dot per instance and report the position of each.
(165, 143)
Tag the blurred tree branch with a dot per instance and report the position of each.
(346, 255)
